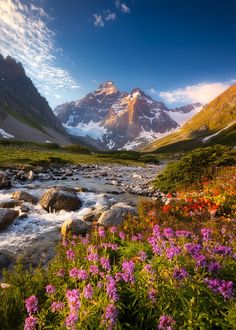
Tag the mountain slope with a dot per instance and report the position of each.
(209, 126)
(24, 114)
(119, 120)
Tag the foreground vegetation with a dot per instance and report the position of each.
(171, 267)
(46, 154)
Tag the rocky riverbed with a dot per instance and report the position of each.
(36, 202)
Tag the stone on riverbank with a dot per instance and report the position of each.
(55, 200)
(116, 215)
(74, 226)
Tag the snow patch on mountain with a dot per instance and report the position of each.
(215, 134)
(5, 135)
(144, 138)
(91, 129)
(180, 117)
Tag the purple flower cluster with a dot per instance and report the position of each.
(213, 267)
(110, 316)
(200, 260)
(88, 291)
(105, 263)
(180, 273)
(156, 232)
(122, 235)
(101, 232)
(92, 256)
(166, 322)
(31, 304)
(173, 252)
(71, 321)
(109, 245)
(206, 233)
(142, 256)
(152, 240)
(112, 230)
(73, 300)
(152, 294)
(57, 306)
(168, 232)
(223, 250)
(183, 233)
(225, 288)
(50, 289)
(128, 267)
(111, 288)
(94, 270)
(30, 323)
(137, 237)
(193, 248)
(70, 255)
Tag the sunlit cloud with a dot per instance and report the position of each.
(203, 92)
(25, 35)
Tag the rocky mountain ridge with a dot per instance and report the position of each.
(121, 120)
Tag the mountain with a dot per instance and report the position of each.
(24, 114)
(119, 120)
(215, 123)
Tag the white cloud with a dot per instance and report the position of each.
(152, 91)
(98, 20)
(25, 35)
(122, 6)
(110, 16)
(203, 92)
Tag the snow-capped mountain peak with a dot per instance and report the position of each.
(106, 88)
(117, 119)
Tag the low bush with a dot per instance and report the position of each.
(194, 167)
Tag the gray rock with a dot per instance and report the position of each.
(24, 196)
(7, 216)
(10, 204)
(74, 226)
(55, 199)
(116, 215)
(93, 215)
(4, 181)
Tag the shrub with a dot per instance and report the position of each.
(194, 167)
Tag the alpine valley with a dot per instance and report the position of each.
(121, 120)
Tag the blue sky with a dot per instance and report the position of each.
(178, 51)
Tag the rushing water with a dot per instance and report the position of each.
(102, 191)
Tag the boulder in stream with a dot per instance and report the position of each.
(24, 196)
(7, 216)
(4, 181)
(55, 199)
